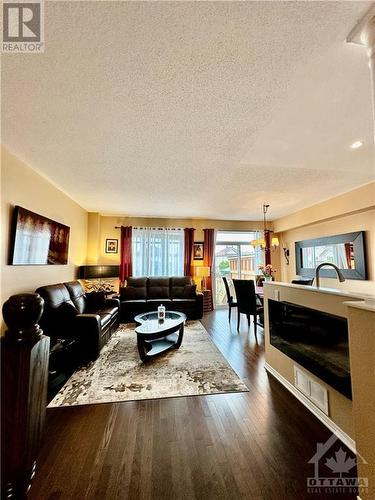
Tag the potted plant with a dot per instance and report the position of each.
(267, 272)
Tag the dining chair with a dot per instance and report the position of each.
(247, 301)
(230, 300)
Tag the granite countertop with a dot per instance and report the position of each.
(333, 291)
(365, 305)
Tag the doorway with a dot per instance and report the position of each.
(235, 258)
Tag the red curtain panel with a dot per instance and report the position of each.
(126, 253)
(188, 251)
(209, 252)
(348, 253)
(267, 250)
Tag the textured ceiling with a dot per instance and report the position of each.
(196, 109)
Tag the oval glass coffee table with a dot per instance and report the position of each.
(155, 337)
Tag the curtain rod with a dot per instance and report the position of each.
(151, 227)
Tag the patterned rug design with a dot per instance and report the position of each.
(118, 374)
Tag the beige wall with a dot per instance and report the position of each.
(362, 366)
(108, 223)
(103, 227)
(354, 211)
(20, 185)
(93, 242)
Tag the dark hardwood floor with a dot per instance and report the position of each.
(253, 445)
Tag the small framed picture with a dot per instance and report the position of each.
(198, 251)
(111, 246)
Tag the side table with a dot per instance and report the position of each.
(207, 301)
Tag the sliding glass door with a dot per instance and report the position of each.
(235, 258)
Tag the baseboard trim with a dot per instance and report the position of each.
(345, 438)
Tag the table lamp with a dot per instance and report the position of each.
(203, 272)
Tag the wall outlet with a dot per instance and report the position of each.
(311, 389)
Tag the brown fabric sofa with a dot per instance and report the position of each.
(86, 319)
(146, 294)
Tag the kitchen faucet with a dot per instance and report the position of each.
(338, 272)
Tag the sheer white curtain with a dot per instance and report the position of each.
(158, 251)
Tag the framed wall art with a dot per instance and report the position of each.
(111, 246)
(198, 251)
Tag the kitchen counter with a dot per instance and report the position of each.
(339, 417)
(365, 306)
(325, 290)
(352, 420)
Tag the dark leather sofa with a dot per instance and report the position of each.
(84, 320)
(146, 294)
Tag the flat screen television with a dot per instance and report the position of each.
(37, 239)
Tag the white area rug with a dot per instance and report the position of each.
(118, 374)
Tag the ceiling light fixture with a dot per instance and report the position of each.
(267, 242)
(356, 145)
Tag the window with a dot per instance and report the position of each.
(158, 251)
(235, 258)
